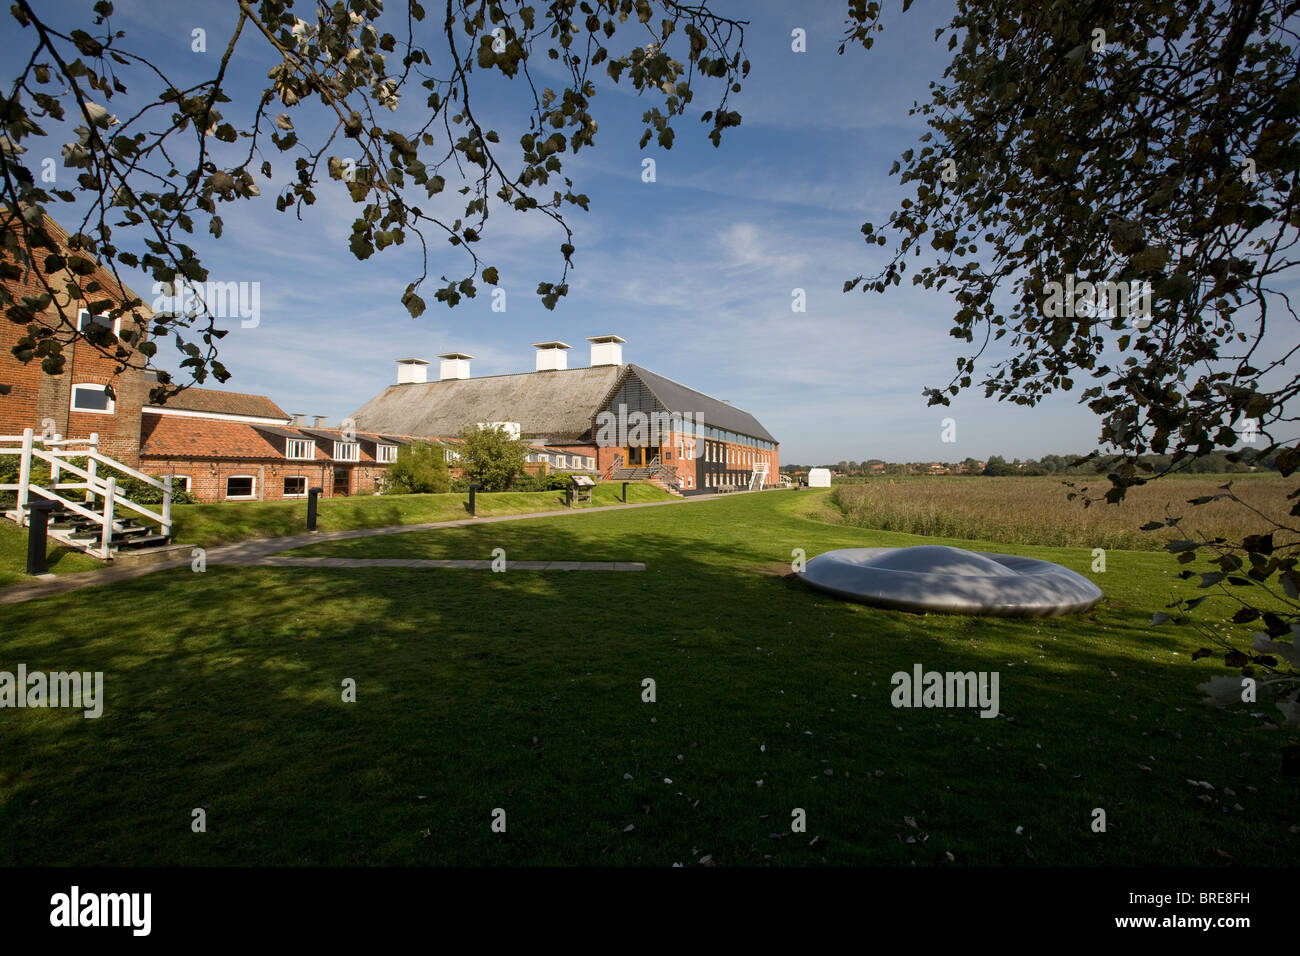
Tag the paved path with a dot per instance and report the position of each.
(258, 551)
(281, 562)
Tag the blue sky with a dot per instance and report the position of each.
(695, 270)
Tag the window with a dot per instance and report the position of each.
(241, 486)
(85, 320)
(449, 455)
(92, 398)
(386, 454)
(181, 483)
(347, 451)
(299, 448)
(295, 486)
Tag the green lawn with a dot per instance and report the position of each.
(522, 690)
(13, 556)
(229, 521)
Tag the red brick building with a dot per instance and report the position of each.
(74, 402)
(628, 421)
(612, 419)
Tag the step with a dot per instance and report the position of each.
(140, 541)
(155, 554)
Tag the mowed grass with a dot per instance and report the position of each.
(58, 559)
(1037, 510)
(229, 521)
(523, 691)
(210, 525)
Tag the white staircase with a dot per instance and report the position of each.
(758, 477)
(91, 514)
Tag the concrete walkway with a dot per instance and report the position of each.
(258, 551)
(281, 562)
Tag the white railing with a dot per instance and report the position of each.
(756, 479)
(101, 497)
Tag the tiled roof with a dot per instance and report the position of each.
(224, 403)
(166, 436)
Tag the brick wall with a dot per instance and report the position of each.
(37, 399)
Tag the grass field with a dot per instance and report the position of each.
(210, 525)
(227, 522)
(1037, 511)
(13, 556)
(523, 691)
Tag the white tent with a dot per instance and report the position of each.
(819, 478)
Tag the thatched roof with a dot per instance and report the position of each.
(558, 404)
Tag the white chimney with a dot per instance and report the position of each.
(412, 371)
(454, 365)
(606, 349)
(299, 419)
(551, 356)
(318, 421)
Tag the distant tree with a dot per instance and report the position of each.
(491, 458)
(420, 468)
(997, 467)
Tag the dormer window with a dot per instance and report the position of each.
(299, 449)
(386, 454)
(347, 451)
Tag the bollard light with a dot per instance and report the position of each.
(38, 520)
(312, 495)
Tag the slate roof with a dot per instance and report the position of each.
(676, 397)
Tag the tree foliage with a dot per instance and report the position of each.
(491, 458)
(150, 182)
(420, 469)
(1151, 142)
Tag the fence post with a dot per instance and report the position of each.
(625, 492)
(90, 467)
(54, 465)
(167, 505)
(106, 537)
(472, 503)
(24, 475)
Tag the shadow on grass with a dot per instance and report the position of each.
(524, 691)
